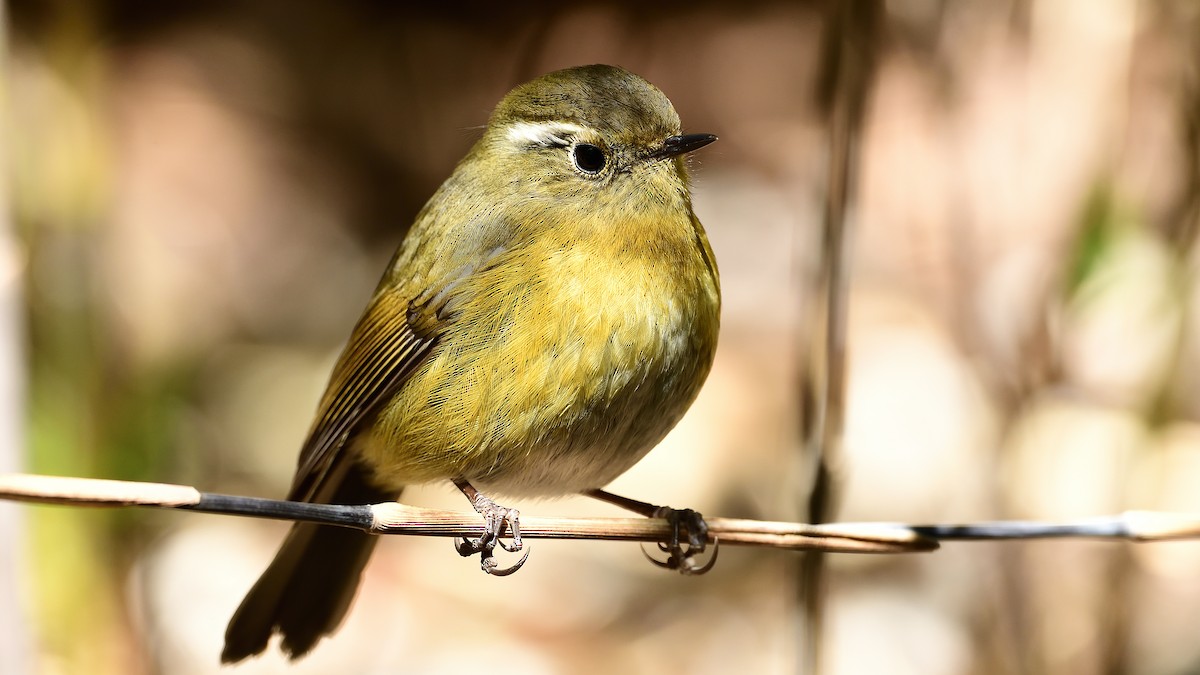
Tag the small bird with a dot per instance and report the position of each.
(549, 317)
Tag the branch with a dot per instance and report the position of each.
(396, 518)
(851, 48)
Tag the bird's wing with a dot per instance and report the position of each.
(391, 340)
(413, 306)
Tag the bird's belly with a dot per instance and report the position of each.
(556, 395)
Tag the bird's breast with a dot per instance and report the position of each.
(566, 363)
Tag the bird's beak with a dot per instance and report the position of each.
(673, 146)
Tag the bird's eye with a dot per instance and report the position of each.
(588, 158)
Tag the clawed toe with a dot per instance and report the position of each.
(497, 521)
(684, 561)
(682, 555)
(492, 566)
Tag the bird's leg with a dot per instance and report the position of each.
(496, 519)
(680, 555)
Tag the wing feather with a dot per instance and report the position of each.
(382, 354)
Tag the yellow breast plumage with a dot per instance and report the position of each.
(563, 384)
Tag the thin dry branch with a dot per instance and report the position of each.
(396, 518)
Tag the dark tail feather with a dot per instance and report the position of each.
(305, 592)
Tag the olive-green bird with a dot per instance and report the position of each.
(550, 316)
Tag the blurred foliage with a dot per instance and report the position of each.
(1101, 226)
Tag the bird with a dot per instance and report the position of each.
(550, 315)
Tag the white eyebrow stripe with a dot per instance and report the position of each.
(542, 133)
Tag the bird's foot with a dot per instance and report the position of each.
(497, 520)
(682, 552)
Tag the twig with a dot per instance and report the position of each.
(396, 518)
(1137, 526)
(851, 43)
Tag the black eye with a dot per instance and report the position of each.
(588, 158)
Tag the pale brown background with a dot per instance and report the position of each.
(202, 196)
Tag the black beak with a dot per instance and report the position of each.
(674, 146)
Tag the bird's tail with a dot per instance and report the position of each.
(305, 592)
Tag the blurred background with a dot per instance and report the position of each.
(201, 196)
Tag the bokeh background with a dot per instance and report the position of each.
(201, 196)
